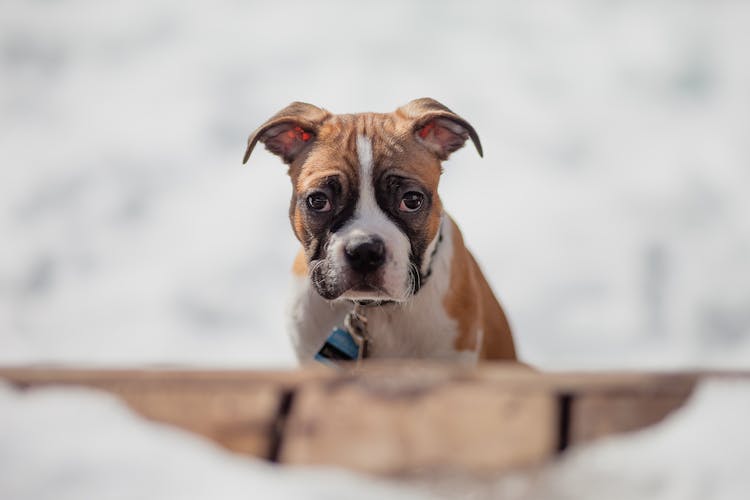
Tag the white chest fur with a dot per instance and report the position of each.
(418, 328)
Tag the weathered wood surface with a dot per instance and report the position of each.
(467, 425)
(390, 418)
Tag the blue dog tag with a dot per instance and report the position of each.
(339, 346)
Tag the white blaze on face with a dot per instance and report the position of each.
(370, 220)
(366, 204)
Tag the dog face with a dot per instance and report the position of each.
(365, 204)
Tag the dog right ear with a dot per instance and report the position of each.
(288, 132)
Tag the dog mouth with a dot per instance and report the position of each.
(351, 286)
(369, 286)
(332, 283)
(360, 290)
(364, 289)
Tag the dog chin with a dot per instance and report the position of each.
(356, 293)
(365, 294)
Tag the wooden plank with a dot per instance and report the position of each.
(612, 403)
(241, 419)
(108, 377)
(392, 417)
(400, 430)
(595, 416)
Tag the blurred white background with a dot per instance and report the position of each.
(610, 212)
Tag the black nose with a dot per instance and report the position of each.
(365, 254)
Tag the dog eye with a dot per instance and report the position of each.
(411, 202)
(319, 202)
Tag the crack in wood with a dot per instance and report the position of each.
(564, 405)
(279, 425)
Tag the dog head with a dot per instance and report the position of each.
(365, 204)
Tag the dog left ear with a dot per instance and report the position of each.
(441, 130)
(288, 132)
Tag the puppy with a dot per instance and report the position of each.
(375, 236)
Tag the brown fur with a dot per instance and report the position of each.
(460, 301)
(497, 342)
(471, 303)
(299, 267)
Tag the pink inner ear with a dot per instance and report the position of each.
(286, 140)
(424, 131)
(443, 134)
(298, 133)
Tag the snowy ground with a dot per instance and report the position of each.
(617, 164)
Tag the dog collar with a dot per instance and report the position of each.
(350, 343)
(423, 276)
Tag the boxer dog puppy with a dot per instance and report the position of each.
(366, 210)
